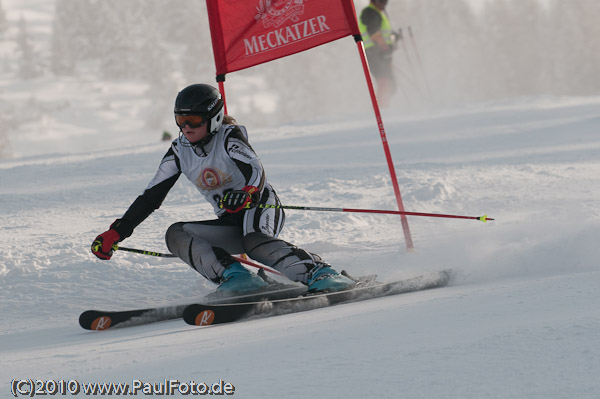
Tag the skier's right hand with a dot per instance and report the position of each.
(102, 246)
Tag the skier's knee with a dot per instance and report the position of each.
(263, 247)
(292, 261)
(174, 235)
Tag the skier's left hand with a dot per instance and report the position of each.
(237, 200)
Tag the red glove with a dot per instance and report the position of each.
(237, 200)
(102, 245)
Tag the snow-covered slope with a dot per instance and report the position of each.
(520, 319)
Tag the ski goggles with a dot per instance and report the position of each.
(192, 121)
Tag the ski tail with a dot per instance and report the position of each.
(97, 320)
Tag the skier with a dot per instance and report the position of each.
(213, 152)
(380, 42)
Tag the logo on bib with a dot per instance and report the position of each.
(212, 179)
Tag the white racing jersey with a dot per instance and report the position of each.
(226, 163)
(230, 164)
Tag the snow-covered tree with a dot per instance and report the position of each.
(64, 34)
(3, 20)
(574, 46)
(157, 71)
(29, 64)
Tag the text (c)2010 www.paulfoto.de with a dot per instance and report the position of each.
(173, 387)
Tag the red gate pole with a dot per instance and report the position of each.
(221, 81)
(386, 148)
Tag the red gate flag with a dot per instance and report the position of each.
(250, 32)
(246, 33)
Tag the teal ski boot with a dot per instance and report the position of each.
(237, 279)
(323, 278)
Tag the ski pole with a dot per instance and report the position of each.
(483, 218)
(408, 60)
(142, 251)
(412, 39)
(169, 255)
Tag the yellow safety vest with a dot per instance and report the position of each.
(385, 29)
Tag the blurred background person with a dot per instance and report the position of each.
(380, 42)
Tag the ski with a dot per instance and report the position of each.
(203, 314)
(98, 320)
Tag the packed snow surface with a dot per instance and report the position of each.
(521, 318)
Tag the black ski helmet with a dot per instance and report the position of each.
(202, 99)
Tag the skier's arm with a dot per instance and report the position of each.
(240, 151)
(166, 176)
(152, 197)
